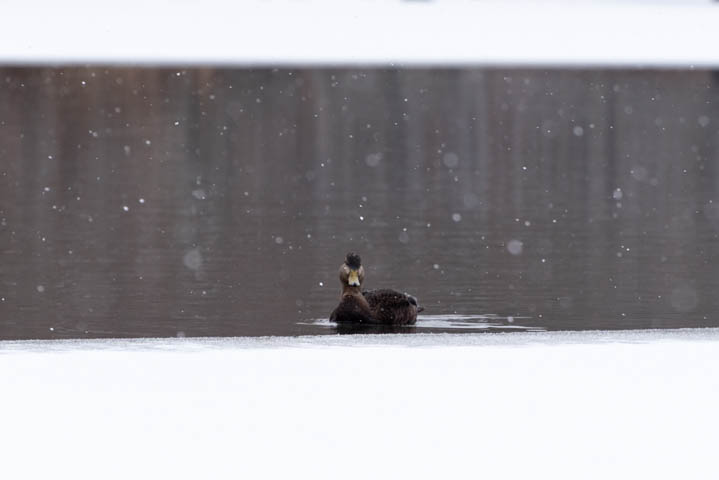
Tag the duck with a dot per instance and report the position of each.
(370, 307)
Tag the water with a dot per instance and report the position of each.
(433, 324)
(171, 202)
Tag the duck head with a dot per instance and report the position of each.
(351, 271)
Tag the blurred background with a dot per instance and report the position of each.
(518, 175)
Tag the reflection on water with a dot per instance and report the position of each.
(158, 202)
(433, 323)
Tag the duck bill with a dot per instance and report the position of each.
(353, 280)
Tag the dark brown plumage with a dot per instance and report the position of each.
(390, 307)
(352, 309)
(373, 307)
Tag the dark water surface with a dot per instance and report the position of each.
(159, 202)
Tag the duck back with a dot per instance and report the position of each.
(390, 307)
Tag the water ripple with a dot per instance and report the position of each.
(484, 322)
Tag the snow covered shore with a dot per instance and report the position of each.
(626, 33)
(540, 405)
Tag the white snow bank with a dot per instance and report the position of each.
(524, 405)
(324, 32)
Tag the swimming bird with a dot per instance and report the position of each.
(374, 307)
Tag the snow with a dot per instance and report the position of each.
(638, 404)
(515, 247)
(283, 32)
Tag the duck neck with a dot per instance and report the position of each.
(348, 291)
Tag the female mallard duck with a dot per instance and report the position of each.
(378, 307)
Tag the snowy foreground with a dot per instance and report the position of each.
(630, 33)
(521, 405)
